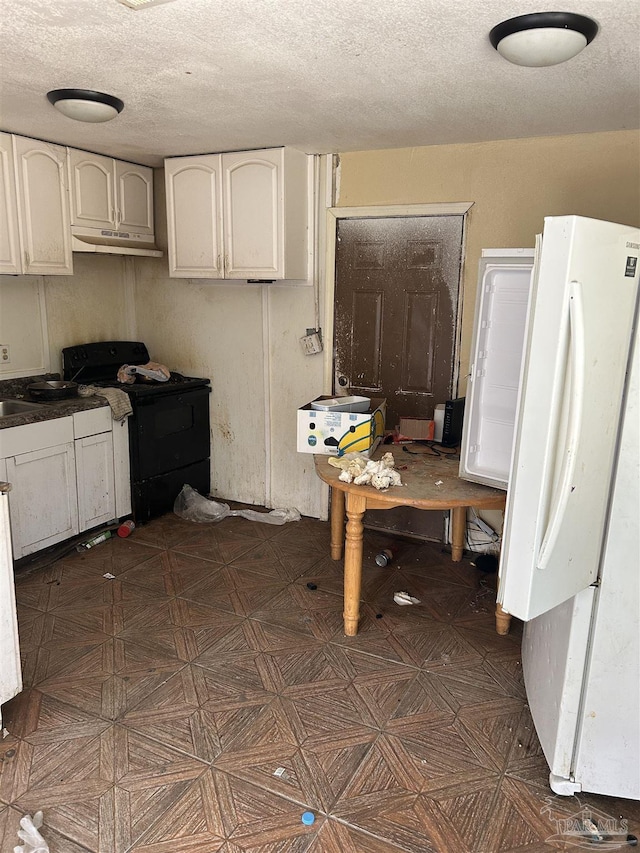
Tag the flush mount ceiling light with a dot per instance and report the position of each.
(543, 38)
(85, 104)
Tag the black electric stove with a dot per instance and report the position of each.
(169, 439)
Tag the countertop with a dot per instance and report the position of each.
(16, 389)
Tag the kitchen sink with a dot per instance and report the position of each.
(17, 407)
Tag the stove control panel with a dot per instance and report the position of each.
(101, 360)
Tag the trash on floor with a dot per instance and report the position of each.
(95, 540)
(29, 833)
(403, 598)
(192, 506)
(384, 557)
(358, 469)
(126, 528)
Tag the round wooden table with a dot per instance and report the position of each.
(429, 482)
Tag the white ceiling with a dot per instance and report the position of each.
(320, 75)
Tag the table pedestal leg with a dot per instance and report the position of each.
(503, 621)
(353, 563)
(337, 523)
(458, 527)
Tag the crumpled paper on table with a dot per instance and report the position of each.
(358, 469)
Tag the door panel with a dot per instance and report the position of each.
(396, 301)
(366, 350)
(397, 282)
(420, 345)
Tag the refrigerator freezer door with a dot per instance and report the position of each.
(608, 758)
(578, 341)
(554, 654)
(504, 283)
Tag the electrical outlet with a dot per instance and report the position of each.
(311, 343)
(5, 353)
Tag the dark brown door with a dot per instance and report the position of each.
(396, 303)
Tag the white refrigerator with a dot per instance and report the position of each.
(570, 557)
(10, 667)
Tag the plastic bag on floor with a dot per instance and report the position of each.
(29, 833)
(192, 506)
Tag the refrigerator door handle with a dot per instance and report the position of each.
(576, 408)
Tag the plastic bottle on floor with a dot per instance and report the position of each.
(95, 540)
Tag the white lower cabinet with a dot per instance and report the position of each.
(95, 480)
(67, 475)
(42, 501)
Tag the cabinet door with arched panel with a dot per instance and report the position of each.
(110, 194)
(194, 216)
(134, 196)
(93, 202)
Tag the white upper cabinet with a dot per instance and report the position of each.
(194, 220)
(10, 260)
(134, 193)
(92, 190)
(240, 215)
(110, 194)
(34, 216)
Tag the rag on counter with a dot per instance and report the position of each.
(117, 399)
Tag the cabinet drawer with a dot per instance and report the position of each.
(23, 439)
(92, 422)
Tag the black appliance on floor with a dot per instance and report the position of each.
(169, 440)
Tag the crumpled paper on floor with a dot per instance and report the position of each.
(403, 598)
(358, 469)
(29, 833)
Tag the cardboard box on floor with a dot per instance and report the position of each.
(337, 433)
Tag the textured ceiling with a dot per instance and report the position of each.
(323, 76)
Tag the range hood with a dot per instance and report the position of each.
(105, 242)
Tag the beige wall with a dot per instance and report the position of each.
(244, 337)
(89, 305)
(513, 184)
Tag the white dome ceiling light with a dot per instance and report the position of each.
(543, 38)
(85, 104)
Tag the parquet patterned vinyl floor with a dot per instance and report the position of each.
(204, 697)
